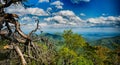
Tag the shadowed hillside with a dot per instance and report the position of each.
(111, 42)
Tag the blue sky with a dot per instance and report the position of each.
(70, 14)
(92, 8)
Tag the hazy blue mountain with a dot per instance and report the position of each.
(111, 42)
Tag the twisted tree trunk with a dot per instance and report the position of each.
(16, 36)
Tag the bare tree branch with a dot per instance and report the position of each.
(35, 28)
(9, 2)
(17, 49)
(17, 26)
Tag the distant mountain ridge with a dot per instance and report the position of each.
(53, 36)
(110, 42)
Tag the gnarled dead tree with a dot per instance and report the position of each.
(14, 34)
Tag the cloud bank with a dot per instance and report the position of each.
(104, 20)
(20, 10)
(64, 17)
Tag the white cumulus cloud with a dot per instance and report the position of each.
(57, 19)
(82, 14)
(64, 16)
(58, 4)
(70, 15)
(26, 19)
(37, 11)
(65, 13)
(20, 10)
(104, 20)
(43, 1)
(78, 1)
(49, 10)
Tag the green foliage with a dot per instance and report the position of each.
(3, 43)
(66, 56)
(32, 63)
(73, 41)
(83, 61)
(73, 50)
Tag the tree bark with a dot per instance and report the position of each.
(17, 49)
